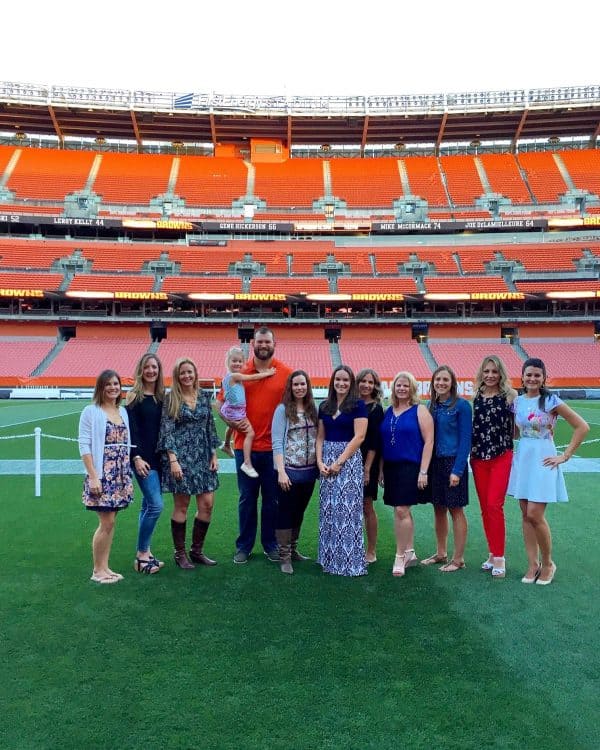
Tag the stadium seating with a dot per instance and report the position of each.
(544, 179)
(584, 169)
(211, 181)
(505, 178)
(132, 178)
(46, 174)
(364, 183)
(462, 178)
(425, 180)
(296, 182)
(386, 350)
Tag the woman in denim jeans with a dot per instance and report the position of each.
(144, 405)
(449, 475)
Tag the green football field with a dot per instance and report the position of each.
(243, 657)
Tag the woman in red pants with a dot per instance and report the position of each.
(491, 454)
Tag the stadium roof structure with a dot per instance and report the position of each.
(403, 120)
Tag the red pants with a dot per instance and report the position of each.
(491, 481)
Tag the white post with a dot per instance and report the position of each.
(38, 461)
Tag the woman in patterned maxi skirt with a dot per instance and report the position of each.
(342, 429)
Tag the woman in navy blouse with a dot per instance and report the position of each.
(449, 476)
(342, 429)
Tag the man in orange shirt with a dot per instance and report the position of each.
(262, 396)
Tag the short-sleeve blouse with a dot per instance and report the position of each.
(492, 427)
(532, 421)
(341, 429)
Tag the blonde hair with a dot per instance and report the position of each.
(504, 385)
(234, 350)
(413, 396)
(137, 391)
(176, 396)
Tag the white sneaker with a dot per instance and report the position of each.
(249, 470)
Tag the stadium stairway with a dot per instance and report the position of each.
(89, 185)
(10, 167)
(523, 174)
(336, 355)
(428, 355)
(250, 180)
(404, 181)
(563, 171)
(482, 175)
(444, 182)
(328, 194)
(50, 357)
(516, 345)
(173, 175)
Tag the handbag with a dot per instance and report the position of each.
(302, 474)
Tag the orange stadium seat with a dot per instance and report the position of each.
(504, 177)
(132, 178)
(366, 183)
(211, 180)
(584, 169)
(386, 350)
(111, 283)
(425, 180)
(45, 281)
(49, 174)
(465, 285)
(196, 284)
(462, 178)
(296, 182)
(294, 285)
(544, 179)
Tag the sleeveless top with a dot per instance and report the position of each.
(235, 394)
(401, 437)
(492, 427)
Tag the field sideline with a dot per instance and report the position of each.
(244, 657)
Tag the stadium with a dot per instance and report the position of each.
(395, 232)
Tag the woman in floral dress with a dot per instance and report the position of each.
(342, 429)
(189, 442)
(104, 446)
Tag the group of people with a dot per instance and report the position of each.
(283, 444)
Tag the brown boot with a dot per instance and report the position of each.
(297, 556)
(284, 538)
(181, 559)
(198, 536)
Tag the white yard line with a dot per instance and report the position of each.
(39, 419)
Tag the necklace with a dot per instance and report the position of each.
(393, 422)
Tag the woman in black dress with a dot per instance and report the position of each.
(369, 390)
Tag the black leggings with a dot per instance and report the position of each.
(292, 504)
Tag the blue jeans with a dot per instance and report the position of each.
(152, 505)
(266, 485)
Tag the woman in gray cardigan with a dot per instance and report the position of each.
(293, 434)
(104, 446)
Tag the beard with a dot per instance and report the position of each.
(264, 353)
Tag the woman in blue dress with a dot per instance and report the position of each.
(188, 439)
(342, 429)
(536, 478)
(407, 445)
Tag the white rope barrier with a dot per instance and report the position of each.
(37, 435)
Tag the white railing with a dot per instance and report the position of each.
(78, 96)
